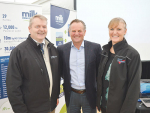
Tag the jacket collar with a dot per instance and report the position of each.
(117, 47)
(35, 44)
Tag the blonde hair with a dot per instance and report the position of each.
(115, 22)
(37, 16)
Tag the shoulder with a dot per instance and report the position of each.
(91, 43)
(62, 47)
(132, 51)
(18, 50)
(132, 54)
(20, 47)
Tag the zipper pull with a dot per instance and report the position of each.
(42, 71)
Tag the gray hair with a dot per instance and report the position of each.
(37, 16)
(78, 21)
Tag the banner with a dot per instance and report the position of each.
(60, 19)
(14, 21)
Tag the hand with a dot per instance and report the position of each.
(57, 101)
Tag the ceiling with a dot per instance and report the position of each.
(20, 1)
(68, 4)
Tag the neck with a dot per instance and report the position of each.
(38, 41)
(112, 50)
(77, 45)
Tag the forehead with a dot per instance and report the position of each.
(115, 24)
(39, 21)
(76, 25)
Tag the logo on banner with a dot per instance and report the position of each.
(0, 27)
(59, 16)
(28, 15)
(59, 38)
(59, 19)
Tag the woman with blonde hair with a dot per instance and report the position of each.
(118, 81)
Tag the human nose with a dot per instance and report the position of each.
(41, 28)
(115, 31)
(76, 33)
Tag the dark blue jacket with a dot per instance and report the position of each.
(92, 59)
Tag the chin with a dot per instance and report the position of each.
(42, 37)
(115, 42)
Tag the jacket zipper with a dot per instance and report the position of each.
(104, 67)
(109, 81)
(39, 66)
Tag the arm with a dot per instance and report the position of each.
(134, 75)
(60, 62)
(98, 58)
(97, 76)
(14, 82)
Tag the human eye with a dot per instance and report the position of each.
(36, 26)
(118, 29)
(111, 29)
(44, 26)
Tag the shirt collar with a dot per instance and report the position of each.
(38, 42)
(82, 45)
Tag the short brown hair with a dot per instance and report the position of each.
(77, 21)
(115, 22)
(37, 16)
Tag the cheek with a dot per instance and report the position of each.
(122, 34)
(34, 31)
(45, 30)
(72, 34)
(81, 34)
(110, 33)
